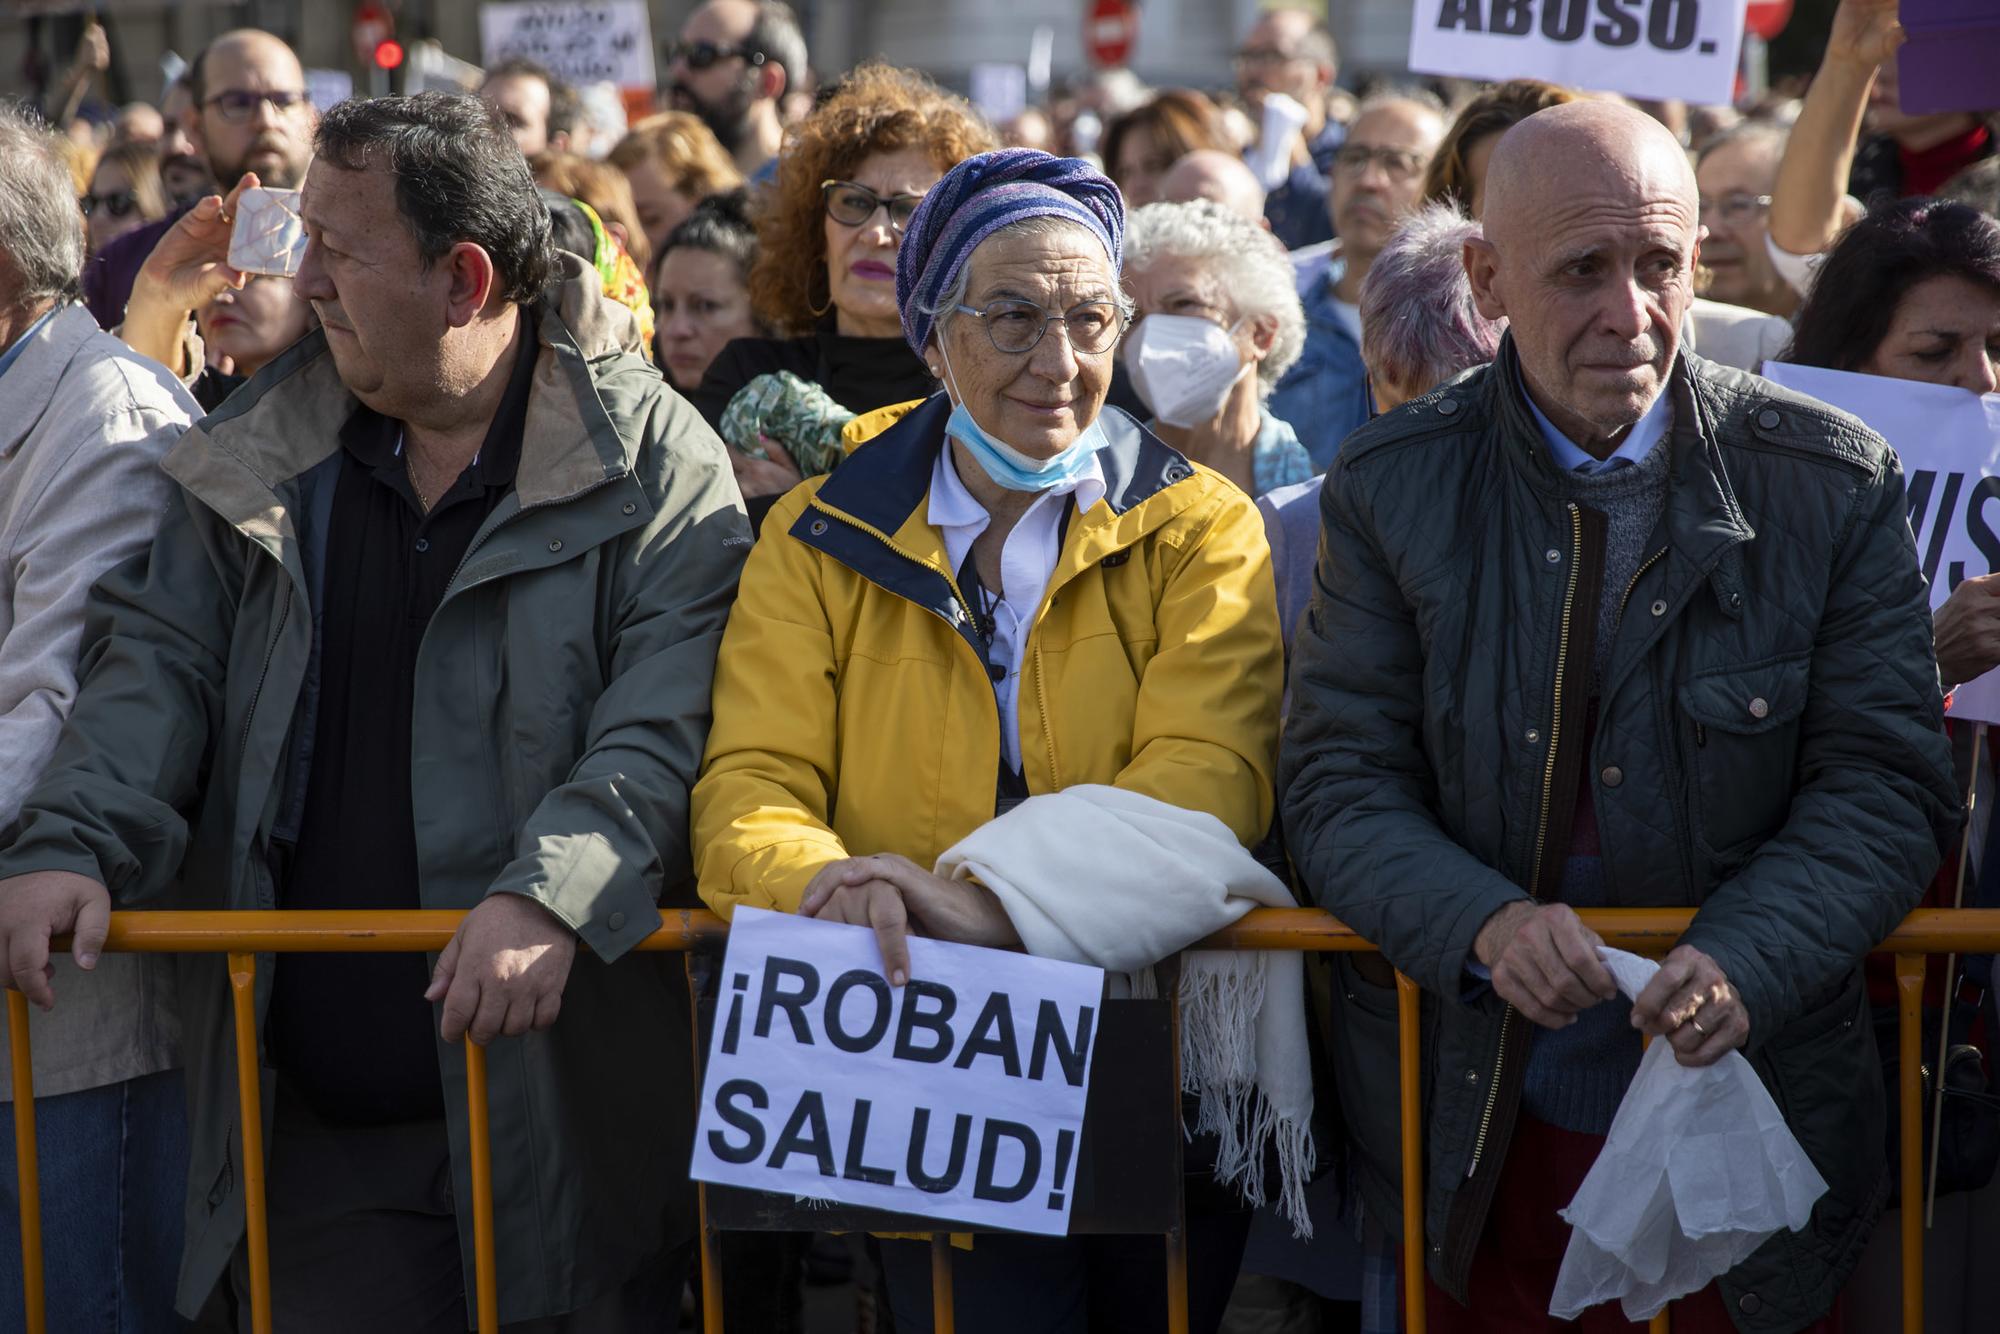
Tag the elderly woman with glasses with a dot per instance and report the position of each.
(825, 277)
(1012, 621)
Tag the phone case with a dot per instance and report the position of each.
(268, 236)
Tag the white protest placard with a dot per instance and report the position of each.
(328, 88)
(959, 1096)
(1949, 442)
(999, 91)
(608, 42)
(1641, 48)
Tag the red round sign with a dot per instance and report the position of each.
(372, 26)
(1108, 31)
(1767, 18)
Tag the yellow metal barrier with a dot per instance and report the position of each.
(244, 935)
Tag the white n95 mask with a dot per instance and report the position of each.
(1184, 366)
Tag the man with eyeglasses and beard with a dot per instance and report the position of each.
(247, 112)
(733, 65)
(1378, 176)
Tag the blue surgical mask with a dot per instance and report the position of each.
(1011, 468)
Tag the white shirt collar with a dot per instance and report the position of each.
(954, 510)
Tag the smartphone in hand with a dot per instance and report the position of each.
(268, 235)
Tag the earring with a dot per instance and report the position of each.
(820, 310)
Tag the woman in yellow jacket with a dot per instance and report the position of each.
(1011, 591)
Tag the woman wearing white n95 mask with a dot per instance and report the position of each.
(1219, 324)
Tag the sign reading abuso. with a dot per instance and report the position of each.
(582, 43)
(1949, 442)
(958, 1096)
(1684, 49)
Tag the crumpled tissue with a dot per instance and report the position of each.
(1698, 1170)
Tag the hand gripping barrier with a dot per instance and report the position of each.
(244, 935)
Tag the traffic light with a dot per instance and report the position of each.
(388, 54)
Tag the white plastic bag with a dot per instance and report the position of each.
(1699, 1169)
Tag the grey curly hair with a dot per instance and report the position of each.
(1247, 262)
(41, 228)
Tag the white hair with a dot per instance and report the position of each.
(41, 229)
(1248, 264)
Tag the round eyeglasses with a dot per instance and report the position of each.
(853, 205)
(238, 106)
(1014, 326)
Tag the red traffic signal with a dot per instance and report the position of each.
(388, 54)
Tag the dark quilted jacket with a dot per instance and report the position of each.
(1768, 748)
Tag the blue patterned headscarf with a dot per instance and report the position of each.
(978, 197)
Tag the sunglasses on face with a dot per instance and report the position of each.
(853, 205)
(237, 107)
(700, 55)
(119, 205)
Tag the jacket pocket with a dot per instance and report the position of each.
(1824, 1072)
(1744, 723)
(1365, 1075)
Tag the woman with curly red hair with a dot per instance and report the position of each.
(850, 176)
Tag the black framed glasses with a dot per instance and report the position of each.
(238, 105)
(853, 205)
(700, 55)
(1736, 208)
(119, 205)
(1015, 326)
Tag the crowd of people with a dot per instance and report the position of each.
(1367, 493)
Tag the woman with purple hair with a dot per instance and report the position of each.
(1009, 677)
(1419, 328)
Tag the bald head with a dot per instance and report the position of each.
(249, 109)
(1220, 177)
(233, 50)
(1591, 221)
(1598, 151)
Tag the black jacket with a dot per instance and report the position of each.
(1768, 749)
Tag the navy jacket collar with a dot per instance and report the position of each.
(885, 480)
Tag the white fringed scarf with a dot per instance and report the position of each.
(1103, 876)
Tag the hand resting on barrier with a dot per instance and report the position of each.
(893, 896)
(502, 972)
(1544, 961)
(43, 904)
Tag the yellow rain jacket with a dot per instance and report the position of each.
(853, 711)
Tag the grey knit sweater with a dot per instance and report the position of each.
(1577, 1076)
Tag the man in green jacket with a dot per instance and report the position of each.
(1606, 625)
(430, 622)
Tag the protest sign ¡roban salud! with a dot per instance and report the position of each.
(959, 1096)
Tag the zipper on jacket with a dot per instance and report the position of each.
(270, 652)
(1048, 732)
(958, 596)
(1647, 565)
(1542, 825)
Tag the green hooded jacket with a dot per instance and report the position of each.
(562, 704)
